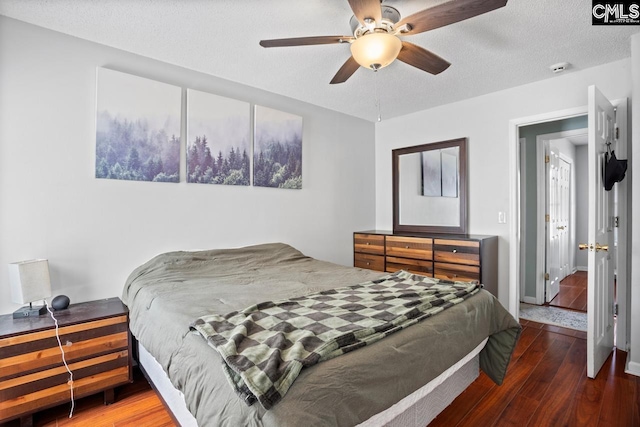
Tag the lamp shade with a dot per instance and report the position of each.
(29, 280)
(376, 50)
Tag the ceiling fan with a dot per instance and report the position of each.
(377, 29)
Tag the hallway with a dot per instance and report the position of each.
(573, 292)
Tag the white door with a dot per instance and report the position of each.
(552, 222)
(600, 331)
(564, 212)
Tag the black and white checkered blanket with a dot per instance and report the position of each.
(265, 346)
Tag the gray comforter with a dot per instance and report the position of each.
(170, 291)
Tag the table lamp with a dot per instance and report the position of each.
(29, 281)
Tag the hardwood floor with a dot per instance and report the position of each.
(546, 385)
(573, 292)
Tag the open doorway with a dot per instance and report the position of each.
(572, 283)
(538, 229)
(607, 124)
(552, 188)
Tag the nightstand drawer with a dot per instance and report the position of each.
(368, 244)
(410, 247)
(424, 268)
(50, 357)
(456, 272)
(457, 251)
(371, 262)
(28, 386)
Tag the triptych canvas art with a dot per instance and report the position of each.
(138, 136)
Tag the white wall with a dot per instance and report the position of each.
(634, 175)
(95, 232)
(484, 120)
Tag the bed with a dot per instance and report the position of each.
(390, 381)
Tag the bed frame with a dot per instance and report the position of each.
(418, 409)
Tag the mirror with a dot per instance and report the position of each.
(430, 188)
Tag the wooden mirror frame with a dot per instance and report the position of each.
(461, 143)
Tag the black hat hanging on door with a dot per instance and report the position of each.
(614, 169)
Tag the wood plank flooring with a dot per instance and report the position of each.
(573, 292)
(546, 385)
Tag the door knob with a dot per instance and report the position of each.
(584, 246)
(602, 247)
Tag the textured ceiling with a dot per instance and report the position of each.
(508, 47)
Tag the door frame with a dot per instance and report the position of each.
(515, 238)
(541, 247)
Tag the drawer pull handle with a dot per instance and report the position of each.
(455, 251)
(368, 243)
(368, 263)
(406, 247)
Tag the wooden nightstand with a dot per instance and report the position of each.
(97, 345)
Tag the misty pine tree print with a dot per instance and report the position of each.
(137, 128)
(277, 151)
(218, 139)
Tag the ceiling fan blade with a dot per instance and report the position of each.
(346, 71)
(422, 58)
(448, 13)
(305, 41)
(365, 9)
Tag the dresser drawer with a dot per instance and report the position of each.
(371, 262)
(368, 243)
(424, 268)
(457, 251)
(458, 272)
(410, 247)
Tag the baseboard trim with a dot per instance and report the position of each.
(633, 368)
(581, 268)
(529, 300)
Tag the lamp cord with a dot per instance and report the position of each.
(70, 382)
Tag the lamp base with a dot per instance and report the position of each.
(28, 311)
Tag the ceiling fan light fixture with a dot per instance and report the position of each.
(376, 50)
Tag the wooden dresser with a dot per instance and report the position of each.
(444, 256)
(96, 340)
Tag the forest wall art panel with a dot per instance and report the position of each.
(277, 150)
(440, 172)
(218, 139)
(450, 172)
(137, 128)
(431, 173)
